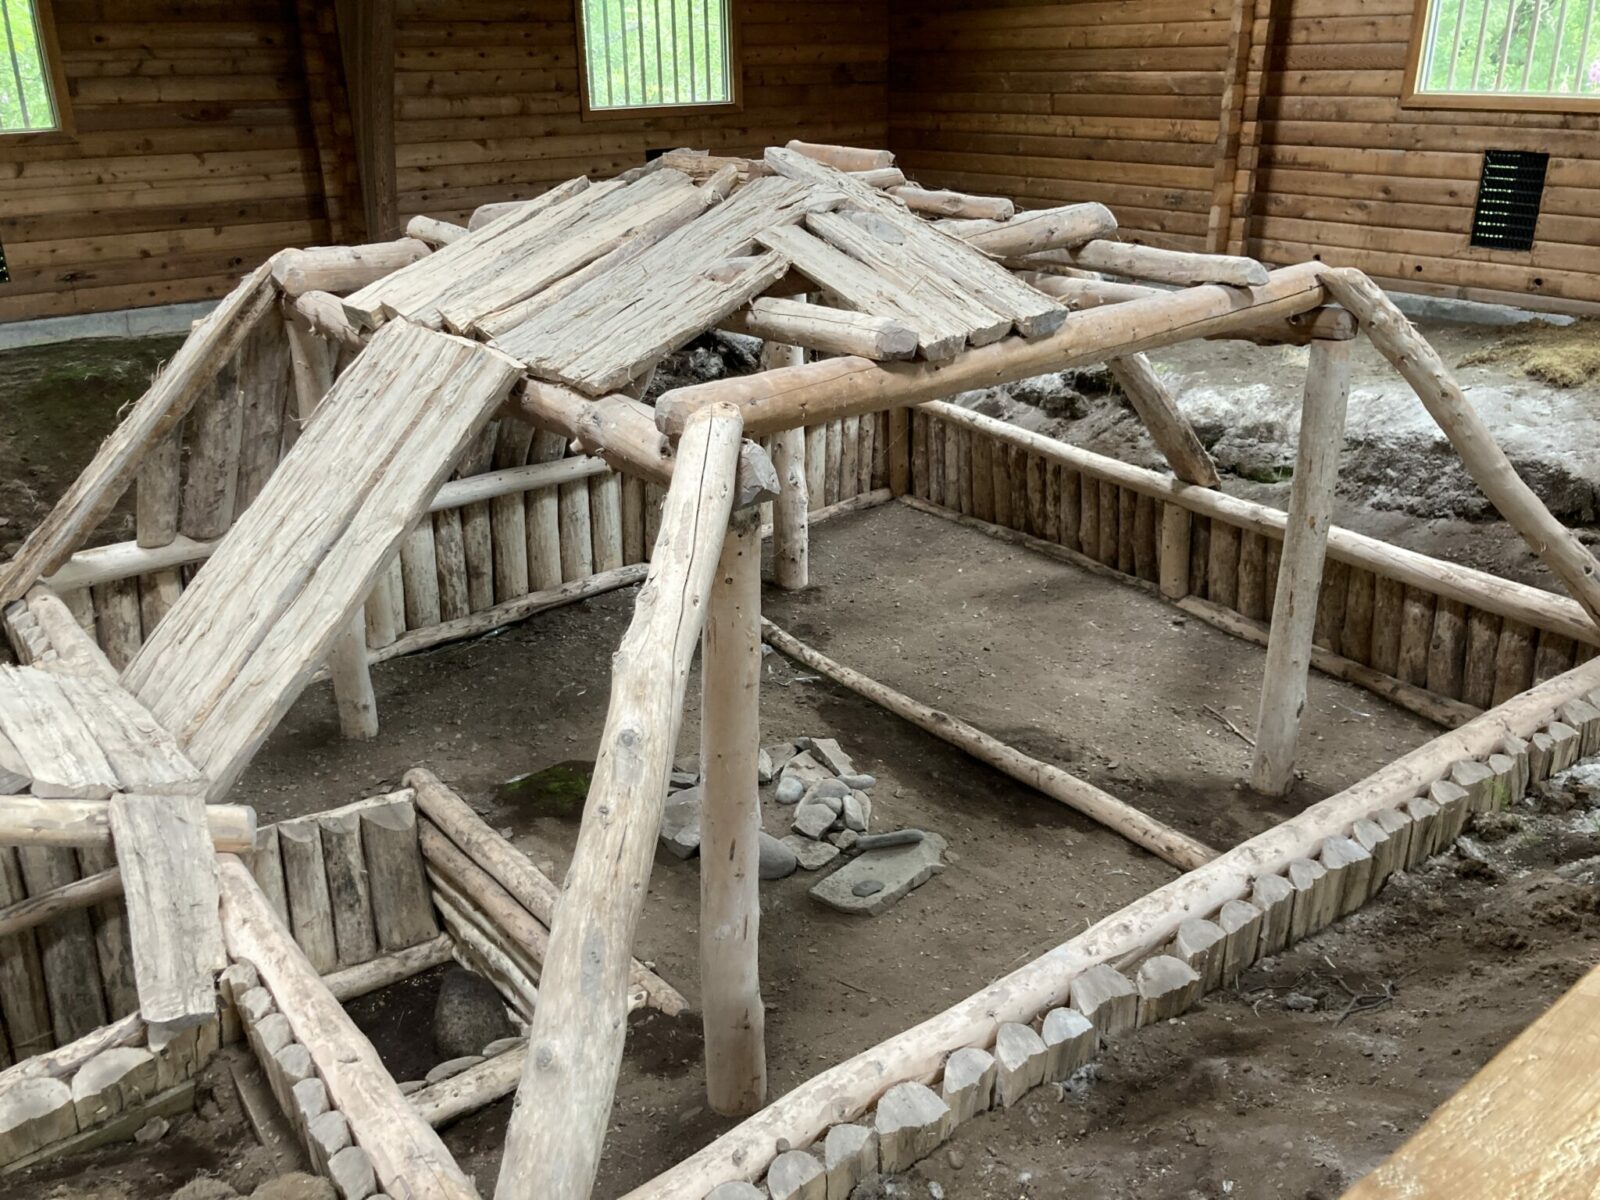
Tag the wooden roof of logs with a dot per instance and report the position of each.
(591, 285)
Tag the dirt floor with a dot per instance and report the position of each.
(1262, 1092)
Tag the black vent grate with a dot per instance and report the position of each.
(1508, 199)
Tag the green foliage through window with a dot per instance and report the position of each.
(1512, 48)
(652, 52)
(25, 101)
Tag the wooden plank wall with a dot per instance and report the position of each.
(1347, 175)
(487, 104)
(191, 162)
(1050, 103)
(1053, 101)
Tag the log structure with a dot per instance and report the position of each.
(370, 449)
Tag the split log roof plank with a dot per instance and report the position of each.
(170, 886)
(250, 631)
(1035, 314)
(598, 336)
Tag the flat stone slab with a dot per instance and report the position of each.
(899, 869)
(813, 856)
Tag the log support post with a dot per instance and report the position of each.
(730, 903)
(312, 365)
(563, 1109)
(791, 549)
(1305, 541)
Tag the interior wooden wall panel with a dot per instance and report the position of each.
(191, 158)
(1346, 175)
(1050, 103)
(487, 105)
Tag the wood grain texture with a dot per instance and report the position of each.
(1522, 1126)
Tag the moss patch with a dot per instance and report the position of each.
(557, 791)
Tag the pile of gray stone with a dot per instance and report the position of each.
(826, 803)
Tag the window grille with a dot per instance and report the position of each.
(653, 53)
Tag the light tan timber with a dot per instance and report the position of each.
(349, 888)
(157, 492)
(1522, 1126)
(1161, 840)
(124, 560)
(323, 314)
(1039, 230)
(563, 1107)
(1441, 710)
(32, 821)
(156, 415)
(843, 158)
(402, 913)
(820, 327)
(251, 629)
(387, 969)
(1305, 540)
(1476, 589)
(1329, 323)
(954, 204)
(482, 949)
(476, 1087)
(434, 232)
(475, 886)
(80, 893)
(622, 434)
(730, 827)
(410, 1160)
(71, 642)
(1161, 266)
(65, 1061)
(511, 869)
(343, 268)
(850, 1088)
(305, 879)
(1169, 429)
(791, 542)
(353, 693)
(1398, 341)
(171, 890)
(841, 387)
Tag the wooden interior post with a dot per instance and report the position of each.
(563, 1107)
(1305, 539)
(730, 828)
(312, 368)
(791, 547)
(367, 44)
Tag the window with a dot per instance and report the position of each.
(656, 54)
(28, 78)
(1505, 54)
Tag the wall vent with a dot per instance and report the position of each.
(1508, 199)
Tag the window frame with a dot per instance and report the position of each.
(646, 111)
(1412, 97)
(56, 77)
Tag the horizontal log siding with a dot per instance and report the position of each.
(1052, 103)
(1347, 175)
(488, 104)
(191, 161)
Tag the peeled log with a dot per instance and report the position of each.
(563, 1106)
